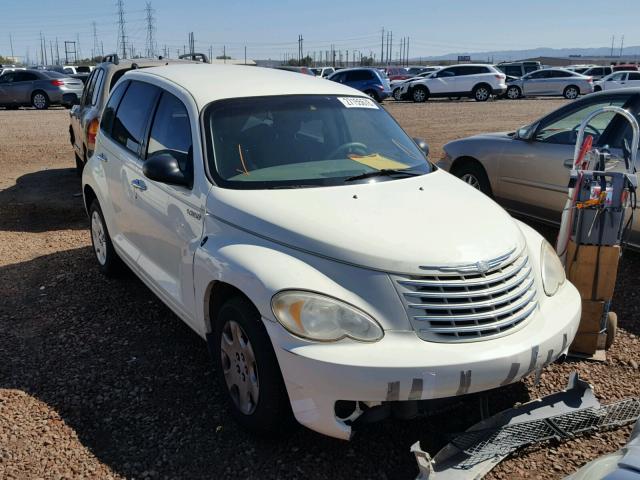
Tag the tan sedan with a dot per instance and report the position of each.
(527, 171)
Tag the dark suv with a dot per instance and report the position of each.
(367, 80)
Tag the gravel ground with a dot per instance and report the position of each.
(99, 380)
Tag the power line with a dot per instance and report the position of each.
(150, 45)
(122, 37)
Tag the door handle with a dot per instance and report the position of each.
(102, 157)
(568, 163)
(139, 184)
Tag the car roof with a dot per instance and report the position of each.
(207, 83)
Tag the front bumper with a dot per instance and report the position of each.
(401, 367)
(500, 90)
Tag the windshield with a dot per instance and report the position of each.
(305, 140)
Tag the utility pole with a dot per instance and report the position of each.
(122, 36)
(11, 43)
(621, 45)
(94, 50)
(150, 42)
(57, 52)
(51, 49)
(382, 46)
(613, 39)
(386, 56)
(408, 51)
(391, 48)
(78, 50)
(245, 54)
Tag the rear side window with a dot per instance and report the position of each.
(97, 88)
(512, 70)
(132, 116)
(634, 76)
(560, 74)
(171, 131)
(87, 93)
(25, 77)
(359, 76)
(112, 105)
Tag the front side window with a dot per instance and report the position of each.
(306, 140)
(617, 77)
(171, 131)
(564, 130)
(133, 115)
(538, 75)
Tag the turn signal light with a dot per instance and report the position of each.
(57, 83)
(92, 131)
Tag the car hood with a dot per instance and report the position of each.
(392, 226)
(482, 137)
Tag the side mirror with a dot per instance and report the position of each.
(423, 145)
(526, 133)
(70, 99)
(163, 167)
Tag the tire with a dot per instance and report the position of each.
(481, 93)
(474, 175)
(39, 100)
(373, 95)
(571, 92)
(514, 92)
(79, 165)
(419, 94)
(612, 329)
(258, 380)
(106, 256)
(397, 94)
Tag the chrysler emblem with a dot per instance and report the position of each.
(482, 266)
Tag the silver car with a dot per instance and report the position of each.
(527, 171)
(550, 81)
(38, 88)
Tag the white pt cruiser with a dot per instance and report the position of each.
(336, 274)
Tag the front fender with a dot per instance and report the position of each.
(260, 268)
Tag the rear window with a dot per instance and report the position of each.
(51, 74)
(83, 69)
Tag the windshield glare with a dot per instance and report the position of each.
(307, 140)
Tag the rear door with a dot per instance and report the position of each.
(77, 113)
(633, 80)
(558, 80)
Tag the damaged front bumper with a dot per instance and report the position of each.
(403, 368)
(472, 454)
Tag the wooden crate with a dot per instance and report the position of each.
(593, 270)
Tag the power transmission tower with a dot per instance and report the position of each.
(11, 43)
(382, 47)
(613, 39)
(621, 45)
(122, 36)
(192, 43)
(95, 50)
(151, 45)
(78, 51)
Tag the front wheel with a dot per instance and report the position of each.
(40, 101)
(474, 175)
(419, 94)
(397, 94)
(247, 366)
(571, 92)
(514, 92)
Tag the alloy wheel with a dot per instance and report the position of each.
(239, 367)
(513, 93)
(397, 94)
(471, 179)
(571, 93)
(39, 101)
(99, 238)
(419, 95)
(482, 94)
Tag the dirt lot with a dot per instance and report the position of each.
(99, 380)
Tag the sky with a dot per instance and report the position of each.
(270, 29)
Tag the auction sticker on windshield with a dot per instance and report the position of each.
(357, 102)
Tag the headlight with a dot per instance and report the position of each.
(318, 317)
(553, 275)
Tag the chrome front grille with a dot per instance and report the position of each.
(460, 304)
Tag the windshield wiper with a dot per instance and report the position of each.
(385, 172)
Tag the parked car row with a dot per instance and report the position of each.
(36, 88)
(251, 202)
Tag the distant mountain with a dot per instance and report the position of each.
(502, 55)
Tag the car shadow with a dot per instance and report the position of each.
(43, 201)
(137, 385)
